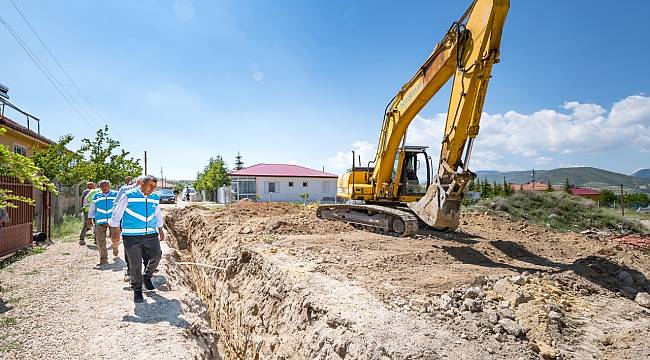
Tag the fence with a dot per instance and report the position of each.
(16, 231)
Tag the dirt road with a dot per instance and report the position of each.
(54, 305)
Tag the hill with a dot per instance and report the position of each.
(643, 173)
(580, 176)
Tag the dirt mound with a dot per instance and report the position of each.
(540, 292)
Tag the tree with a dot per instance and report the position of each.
(213, 176)
(57, 162)
(608, 197)
(105, 159)
(24, 169)
(486, 189)
(304, 197)
(507, 187)
(549, 188)
(239, 164)
(566, 187)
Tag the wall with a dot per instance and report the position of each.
(292, 194)
(12, 137)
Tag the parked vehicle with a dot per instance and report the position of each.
(166, 196)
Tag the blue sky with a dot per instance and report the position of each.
(306, 82)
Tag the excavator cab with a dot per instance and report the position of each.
(415, 175)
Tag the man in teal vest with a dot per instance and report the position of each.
(87, 223)
(101, 209)
(139, 212)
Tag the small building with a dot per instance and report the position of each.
(535, 186)
(282, 182)
(586, 193)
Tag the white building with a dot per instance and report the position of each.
(281, 182)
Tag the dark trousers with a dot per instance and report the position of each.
(145, 260)
(136, 247)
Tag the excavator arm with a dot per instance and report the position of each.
(467, 52)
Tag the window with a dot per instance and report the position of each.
(304, 184)
(20, 150)
(290, 183)
(247, 187)
(326, 187)
(272, 187)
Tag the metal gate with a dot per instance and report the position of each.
(16, 232)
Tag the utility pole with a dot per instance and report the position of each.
(162, 177)
(533, 174)
(622, 207)
(145, 162)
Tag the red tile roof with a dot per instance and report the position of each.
(584, 191)
(16, 126)
(281, 170)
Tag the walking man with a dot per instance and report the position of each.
(142, 223)
(126, 187)
(101, 209)
(87, 223)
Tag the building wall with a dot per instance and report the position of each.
(284, 192)
(12, 137)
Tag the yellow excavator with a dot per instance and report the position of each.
(397, 193)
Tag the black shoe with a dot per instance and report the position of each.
(148, 284)
(137, 296)
(81, 242)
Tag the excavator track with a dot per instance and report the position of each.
(376, 218)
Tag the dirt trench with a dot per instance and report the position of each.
(290, 286)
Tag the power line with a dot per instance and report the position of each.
(50, 77)
(74, 84)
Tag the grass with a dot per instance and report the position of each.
(67, 229)
(21, 255)
(6, 346)
(8, 321)
(561, 211)
(33, 272)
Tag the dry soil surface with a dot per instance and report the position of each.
(55, 305)
(293, 286)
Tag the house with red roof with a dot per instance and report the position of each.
(586, 193)
(282, 182)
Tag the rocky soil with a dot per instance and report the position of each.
(286, 285)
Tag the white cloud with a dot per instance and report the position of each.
(587, 128)
(583, 128)
(343, 159)
(183, 9)
(294, 162)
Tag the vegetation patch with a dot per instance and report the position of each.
(8, 321)
(561, 211)
(19, 255)
(67, 229)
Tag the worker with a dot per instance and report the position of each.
(84, 212)
(139, 213)
(101, 209)
(128, 186)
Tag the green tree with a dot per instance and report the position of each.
(608, 197)
(57, 162)
(239, 164)
(105, 159)
(486, 189)
(507, 187)
(24, 169)
(213, 176)
(566, 187)
(304, 197)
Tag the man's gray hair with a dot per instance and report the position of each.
(150, 178)
(104, 182)
(140, 179)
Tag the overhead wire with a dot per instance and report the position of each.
(74, 84)
(48, 75)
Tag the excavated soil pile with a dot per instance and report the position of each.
(282, 284)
